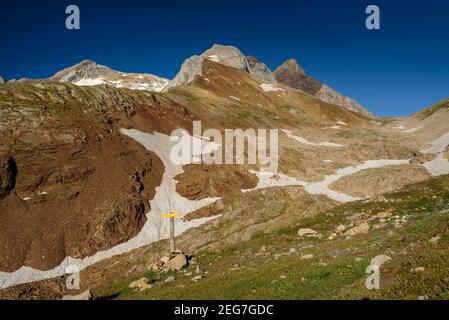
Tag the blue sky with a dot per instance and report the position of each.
(397, 70)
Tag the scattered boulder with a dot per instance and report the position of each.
(293, 250)
(435, 240)
(341, 228)
(419, 269)
(306, 232)
(332, 236)
(86, 295)
(177, 263)
(384, 215)
(170, 279)
(197, 278)
(165, 259)
(141, 285)
(361, 229)
(307, 257)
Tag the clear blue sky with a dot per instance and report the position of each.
(395, 71)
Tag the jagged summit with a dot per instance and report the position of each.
(291, 74)
(88, 73)
(226, 55)
(292, 65)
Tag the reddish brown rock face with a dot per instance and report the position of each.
(71, 186)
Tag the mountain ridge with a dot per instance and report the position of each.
(88, 72)
(293, 75)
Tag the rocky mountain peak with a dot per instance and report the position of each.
(227, 55)
(2, 81)
(86, 69)
(89, 73)
(291, 66)
(291, 74)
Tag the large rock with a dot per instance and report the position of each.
(227, 55)
(361, 229)
(291, 74)
(8, 173)
(86, 295)
(177, 263)
(306, 232)
(141, 284)
(2, 81)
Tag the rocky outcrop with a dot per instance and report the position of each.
(73, 185)
(329, 95)
(87, 69)
(89, 73)
(291, 74)
(8, 173)
(227, 55)
(260, 70)
(2, 81)
(86, 295)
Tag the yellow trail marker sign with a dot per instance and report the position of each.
(173, 214)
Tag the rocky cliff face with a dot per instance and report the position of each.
(89, 73)
(227, 55)
(260, 70)
(293, 75)
(8, 173)
(2, 81)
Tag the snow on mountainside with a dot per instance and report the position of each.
(89, 73)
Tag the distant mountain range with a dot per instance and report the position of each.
(290, 73)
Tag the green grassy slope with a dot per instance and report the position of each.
(267, 268)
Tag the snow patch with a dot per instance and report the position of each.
(268, 87)
(307, 142)
(438, 145)
(89, 82)
(440, 165)
(155, 229)
(214, 58)
(413, 129)
(322, 187)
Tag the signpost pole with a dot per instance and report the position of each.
(172, 235)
